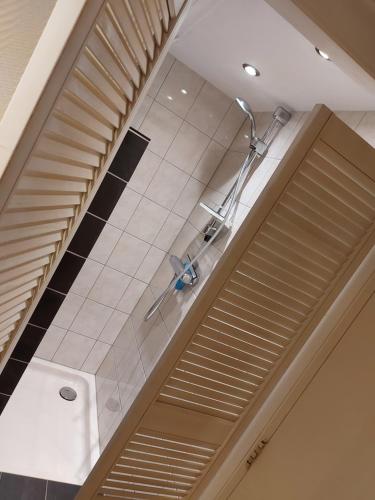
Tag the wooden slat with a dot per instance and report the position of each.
(89, 66)
(54, 168)
(31, 183)
(9, 276)
(8, 235)
(164, 13)
(155, 19)
(58, 124)
(72, 107)
(13, 219)
(130, 33)
(108, 25)
(68, 151)
(144, 28)
(100, 48)
(81, 88)
(17, 293)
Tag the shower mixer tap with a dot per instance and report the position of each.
(186, 271)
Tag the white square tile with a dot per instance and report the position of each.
(50, 343)
(110, 416)
(105, 243)
(286, 136)
(230, 125)
(189, 198)
(142, 111)
(106, 379)
(169, 232)
(162, 277)
(153, 346)
(200, 217)
(187, 239)
(131, 296)
(95, 357)
(113, 327)
(68, 310)
(167, 184)
(161, 125)
(125, 341)
(151, 263)
(187, 148)
(209, 162)
(73, 350)
(179, 78)
(147, 220)
(126, 352)
(175, 308)
(239, 214)
(209, 109)
(140, 327)
(144, 172)
(351, 118)
(86, 277)
(241, 141)
(124, 208)
(262, 119)
(109, 287)
(161, 75)
(91, 319)
(258, 181)
(128, 254)
(225, 176)
(130, 385)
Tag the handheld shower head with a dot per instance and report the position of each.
(244, 105)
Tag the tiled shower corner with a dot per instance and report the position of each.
(190, 132)
(139, 345)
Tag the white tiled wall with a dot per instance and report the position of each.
(198, 141)
(145, 341)
(191, 124)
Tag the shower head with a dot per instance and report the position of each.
(244, 105)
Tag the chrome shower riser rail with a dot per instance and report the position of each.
(280, 118)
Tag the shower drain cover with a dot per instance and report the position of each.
(68, 393)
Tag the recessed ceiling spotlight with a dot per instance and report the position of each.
(170, 98)
(322, 54)
(184, 91)
(250, 70)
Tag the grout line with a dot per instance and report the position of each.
(19, 360)
(57, 291)
(37, 326)
(139, 134)
(117, 177)
(360, 121)
(76, 254)
(97, 217)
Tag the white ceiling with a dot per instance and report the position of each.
(218, 36)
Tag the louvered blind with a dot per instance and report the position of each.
(70, 156)
(307, 233)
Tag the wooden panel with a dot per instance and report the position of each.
(257, 309)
